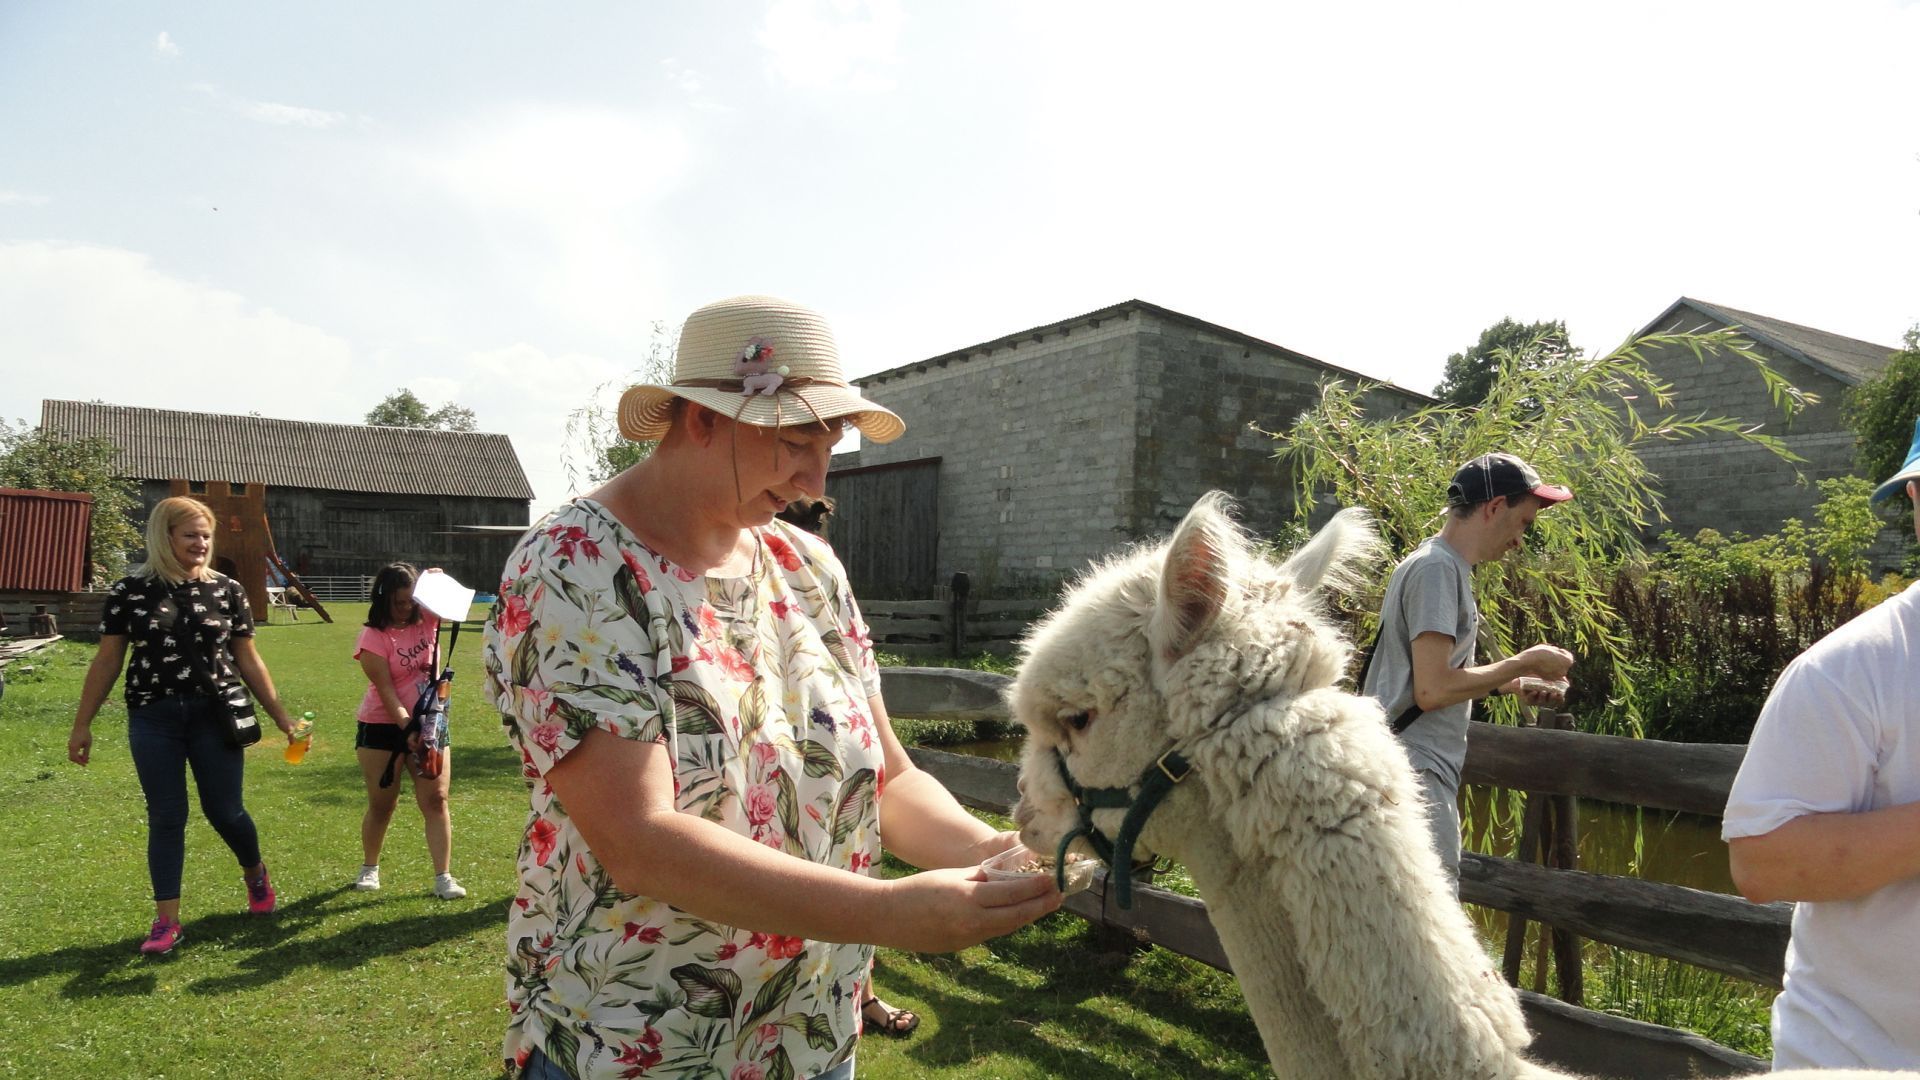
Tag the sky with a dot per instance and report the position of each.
(296, 209)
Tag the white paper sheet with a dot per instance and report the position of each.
(438, 592)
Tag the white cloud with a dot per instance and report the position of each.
(691, 85)
(165, 46)
(271, 112)
(527, 393)
(823, 43)
(563, 163)
(435, 389)
(268, 112)
(87, 322)
(21, 198)
(687, 80)
(569, 198)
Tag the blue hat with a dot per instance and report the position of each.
(1910, 471)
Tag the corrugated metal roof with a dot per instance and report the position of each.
(43, 540)
(166, 444)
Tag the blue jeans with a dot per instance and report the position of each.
(167, 737)
(540, 1067)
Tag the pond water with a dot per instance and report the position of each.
(1681, 849)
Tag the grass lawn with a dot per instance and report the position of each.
(399, 984)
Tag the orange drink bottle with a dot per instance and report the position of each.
(302, 739)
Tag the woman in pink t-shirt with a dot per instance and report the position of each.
(396, 651)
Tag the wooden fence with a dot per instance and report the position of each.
(76, 615)
(961, 626)
(1710, 930)
(339, 588)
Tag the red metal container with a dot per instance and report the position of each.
(43, 540)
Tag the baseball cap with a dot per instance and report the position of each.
(1490, 476)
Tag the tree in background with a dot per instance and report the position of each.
(1574, 419)
(1882, 410)
(402, 409)
(31, 458)
(1713, 619)
(1470, 375)
(594, 451)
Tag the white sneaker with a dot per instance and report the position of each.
(368, 880)
(446, 888)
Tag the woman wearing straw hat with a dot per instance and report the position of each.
(694, 697)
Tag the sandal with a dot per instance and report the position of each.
(883, 1019)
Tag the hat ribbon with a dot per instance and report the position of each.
(787, 384)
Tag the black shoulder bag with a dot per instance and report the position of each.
(1405, 719)
(425, 738)
(231, 702)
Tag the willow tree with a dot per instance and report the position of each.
(593, 450)
(1580, 421)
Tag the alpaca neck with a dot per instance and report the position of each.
(1318, 840)
(1261, 945)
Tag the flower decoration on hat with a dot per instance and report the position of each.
(755, 368)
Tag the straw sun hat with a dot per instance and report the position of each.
(761, 361)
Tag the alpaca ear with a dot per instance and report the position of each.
(1193, 585)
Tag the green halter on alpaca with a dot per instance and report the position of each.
(1160, 778)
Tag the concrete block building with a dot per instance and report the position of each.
(1030, 455)
(1719, 482)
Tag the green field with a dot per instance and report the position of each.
(399, 984)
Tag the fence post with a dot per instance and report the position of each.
(1549, 832)
(1530, 828)
(957, 624)
(1562, 843)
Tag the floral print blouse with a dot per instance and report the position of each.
(758, 686)
(162, 622)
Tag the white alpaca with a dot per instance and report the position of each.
(1301, 820)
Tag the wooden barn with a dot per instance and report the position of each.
(334, 500)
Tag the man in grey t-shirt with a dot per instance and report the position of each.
(1423, 659)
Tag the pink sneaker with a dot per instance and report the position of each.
(166, 933)
(260, 895)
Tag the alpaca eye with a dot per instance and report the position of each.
(1079, 721)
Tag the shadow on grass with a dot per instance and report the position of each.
(335, 779)
(342, 951)
(967, 998)
(116, 969)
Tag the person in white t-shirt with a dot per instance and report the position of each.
(1826, 811)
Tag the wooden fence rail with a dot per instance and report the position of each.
(959, 626)
(1721, 933)
(1693, 777)
(76, 615)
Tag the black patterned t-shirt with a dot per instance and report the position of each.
(163, 621)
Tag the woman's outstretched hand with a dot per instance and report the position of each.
(946, 910)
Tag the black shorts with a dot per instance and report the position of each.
(388, 737)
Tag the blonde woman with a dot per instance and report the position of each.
(173, 609)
